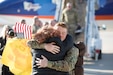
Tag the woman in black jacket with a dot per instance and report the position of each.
(48, 35)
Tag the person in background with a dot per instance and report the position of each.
(7, 32)
(64, 2)
(69, 16)
(23, 21)
(3, 37)
(80, 7)
(79, 70)
(46, 23)
(36, 25)
(53, 22)
(70, 59)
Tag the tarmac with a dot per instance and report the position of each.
(105, 65)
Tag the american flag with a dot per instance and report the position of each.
(23, 28)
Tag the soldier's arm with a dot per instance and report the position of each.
(50, 47)
(68, 63)
(34, 44)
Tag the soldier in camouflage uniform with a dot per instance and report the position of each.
(69, 16)
(80, 6)
(66, 65)
(37, 24)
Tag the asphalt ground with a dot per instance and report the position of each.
(105, 65)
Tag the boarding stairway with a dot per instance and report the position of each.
(92, 38)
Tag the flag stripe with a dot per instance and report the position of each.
(23, 28)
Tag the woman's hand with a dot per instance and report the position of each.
(51, 47)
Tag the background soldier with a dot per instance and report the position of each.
(69, 16)
(80, 6)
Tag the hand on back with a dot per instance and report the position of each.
(51, 47)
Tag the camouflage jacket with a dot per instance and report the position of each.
(34, 44)
(65, 65)
(69, 16)
(68, 63)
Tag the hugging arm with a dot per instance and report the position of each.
(34, 44)
(50, 47)
(65, 65)
(68, 63)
